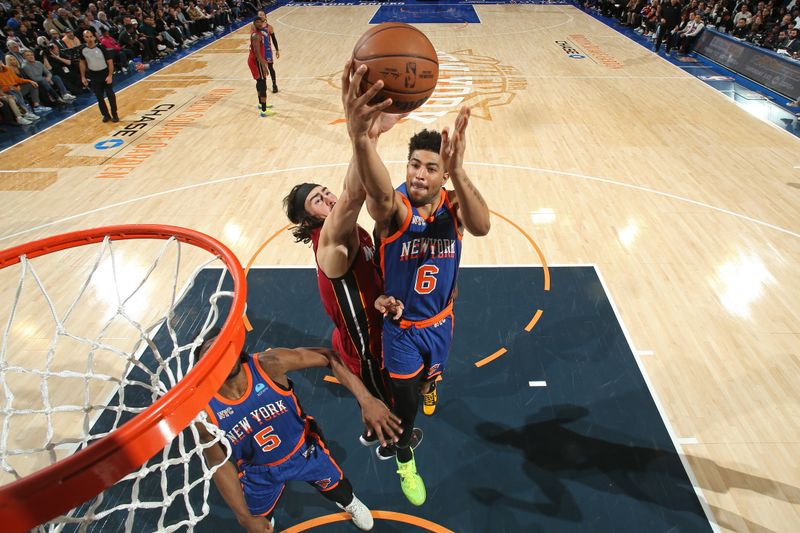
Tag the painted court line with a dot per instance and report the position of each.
(688, 440)
(490, 358)
(334, 165)
(664, 418)
(537, 384)
(646, 352)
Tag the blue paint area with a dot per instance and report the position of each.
(589, 452)
(427, 14)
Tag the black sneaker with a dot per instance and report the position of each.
(385, 453)
(115, 118)
(106, 118)
(274, 88)
(367, 441)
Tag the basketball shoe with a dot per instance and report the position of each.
(429, 400)
(267, 113)
(359, 514)
(411, 482)
(385, 453)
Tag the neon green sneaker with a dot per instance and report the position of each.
(411, 482)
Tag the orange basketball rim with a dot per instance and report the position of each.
(55, 489)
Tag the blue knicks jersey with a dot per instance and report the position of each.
(266, 425)
(420, 260)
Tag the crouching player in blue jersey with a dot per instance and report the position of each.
(273, 441)
(418, 230)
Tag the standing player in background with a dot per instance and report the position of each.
(419, 227)
(259, 61)
(273, 441)
(349, 284)
(268, 29)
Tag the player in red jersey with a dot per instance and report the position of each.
(349, 283)
(259, 60)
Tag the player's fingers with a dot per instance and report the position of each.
(467, 114)
(370, 93)
(355, 81)
(392, 430)
(379, 433)
(377, 109)
(346, 76)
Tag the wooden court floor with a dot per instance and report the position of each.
(688, 206)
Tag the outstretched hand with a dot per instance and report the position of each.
(380, 421)
(359, 113)
(389, 305)
(453, 145)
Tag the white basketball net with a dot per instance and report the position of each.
(75, 367)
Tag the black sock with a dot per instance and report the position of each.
(404, 455)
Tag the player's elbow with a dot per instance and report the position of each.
(481, 229)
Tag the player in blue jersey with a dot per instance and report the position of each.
(274, 441)
(418, 229)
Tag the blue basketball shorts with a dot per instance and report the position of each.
(312, 462)
(411, 350)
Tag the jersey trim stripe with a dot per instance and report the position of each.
(278, 388)
(276, 500)
(454, 216)
(211, 416)
(407, 376)
(245, 396)
(396, 235)
(321, 444)
(421, 324)
(356, 316)
(407, 222)
(294, 450)
(442, 200)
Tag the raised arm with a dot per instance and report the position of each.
(277, 362)
(338, 241)
(382, 201)
(472, 208)
(226, 478)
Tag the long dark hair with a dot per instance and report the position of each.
(294, 205)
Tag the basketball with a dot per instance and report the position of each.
(404, 58)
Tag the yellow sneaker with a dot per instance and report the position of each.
(429, 400)
(411, 482)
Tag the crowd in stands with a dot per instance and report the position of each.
(41, 42)
(769, 24)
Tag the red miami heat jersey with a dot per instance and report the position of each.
(420, 260)
(266, 425)
(266, 47)
(349, 301)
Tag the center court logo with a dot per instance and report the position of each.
(465, 78)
